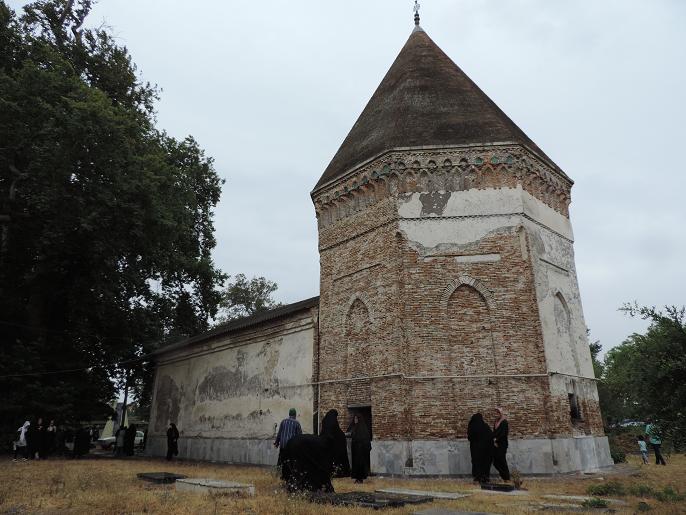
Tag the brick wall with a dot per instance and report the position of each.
(427, 339)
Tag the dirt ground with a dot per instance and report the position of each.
(110, 486)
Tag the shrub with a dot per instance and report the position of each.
(516, 479)
(594, 503)
(618, 456)
(668, 494)
(644, 506)
(642, 491)
(609, 488)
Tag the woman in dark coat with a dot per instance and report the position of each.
(172, 441)
(129, 439)
(500, 430)
(481, 447)
(361, 447)
(331, 429)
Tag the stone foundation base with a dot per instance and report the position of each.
(415, 458)
(225, 450)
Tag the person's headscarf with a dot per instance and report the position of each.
(23, 429)
(476, 426)
(360, 430)
(330, 425)
(500, 418)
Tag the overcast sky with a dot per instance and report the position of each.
(271, 88)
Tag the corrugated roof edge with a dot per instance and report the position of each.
(241, 323)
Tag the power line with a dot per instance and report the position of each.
(62, 331)
(72, 370)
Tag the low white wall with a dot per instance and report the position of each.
(239, 386)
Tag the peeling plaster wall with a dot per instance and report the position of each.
(453, 222)
(238, 386)
(441, 225)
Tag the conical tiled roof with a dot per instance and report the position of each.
(425, 99)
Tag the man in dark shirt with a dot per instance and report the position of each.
(288, 428)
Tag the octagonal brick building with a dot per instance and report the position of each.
(448, 283)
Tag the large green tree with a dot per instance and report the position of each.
(644, 377)
(244, 297)
(106, 220)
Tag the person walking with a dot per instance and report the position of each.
(42, 435)
(501, 428)
(50, 434)
(655, 439)
(119, 441)
(361, 447)
(643, 448)
(130, 440)
(288, 428)
(20, 446)
(172, 441)
(332, 430)
(481, 447)
(32, 440)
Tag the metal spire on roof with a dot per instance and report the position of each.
(416, 13)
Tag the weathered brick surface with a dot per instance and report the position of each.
(399, 330)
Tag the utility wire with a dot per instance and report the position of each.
(71, 370)
(62, 331)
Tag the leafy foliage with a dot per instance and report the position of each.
(605, 489)
(643, 377)
(595, 503)
(242, 297)
(107, 225)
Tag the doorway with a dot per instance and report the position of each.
(364, 412)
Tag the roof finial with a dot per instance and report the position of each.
(416, 13)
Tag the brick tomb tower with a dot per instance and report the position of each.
(448, 284)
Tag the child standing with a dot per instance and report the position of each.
(643, 448)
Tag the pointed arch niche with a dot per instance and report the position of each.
(563, 324)
(468, 305)
(358, 327)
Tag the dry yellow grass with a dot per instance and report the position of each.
(110, 487)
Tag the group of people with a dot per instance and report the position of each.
(39, 441)
(488, 446)
(653, 436)
(125, 441)
(309, 462)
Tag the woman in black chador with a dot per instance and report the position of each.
(130, 440)
(500, 431)
(481, 447)
(308, 460)
(361, 446)
(331, 429)
(172, 441)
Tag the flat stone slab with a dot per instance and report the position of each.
(160, 478)
(574, 509)
(423, 493)
(498, 487)
(500, 492)
(445, 511)
(204, 486)
(372, 500)
(582, 498)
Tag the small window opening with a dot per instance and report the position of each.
(574, 410)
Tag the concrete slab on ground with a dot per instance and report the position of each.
(497, 492)
(160, 478)
(372, 500)
(203, 486)
(582, 498)
(424, 493)
(445, 511)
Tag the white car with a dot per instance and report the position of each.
(107, 443)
